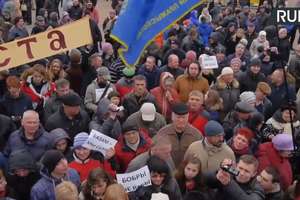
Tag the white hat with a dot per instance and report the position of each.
(248, 97)
(226, 70)
(159, 196)
(262, 33)
(148, 112)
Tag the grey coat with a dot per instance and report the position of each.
(152, 127)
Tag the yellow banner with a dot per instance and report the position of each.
(45, 44)
(254, 2)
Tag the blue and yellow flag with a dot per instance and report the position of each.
(140, 21)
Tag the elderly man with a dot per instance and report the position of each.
(172, 67)
(212, 150)
(70, 116)
(180, 132)
(31, 136)
(147, 119)
(161, 147)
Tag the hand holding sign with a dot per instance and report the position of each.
(209, 62)
(100, 142)
(131, 181)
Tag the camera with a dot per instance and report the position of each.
(231, 170)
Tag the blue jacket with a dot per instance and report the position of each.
(44, 189)
(37, 147)
(205, 30)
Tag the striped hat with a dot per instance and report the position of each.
(80, 139)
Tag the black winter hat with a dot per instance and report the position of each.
(255, 61)
(21, 159)
(180, 108)
(71, 99)
(51, 159)
(129, 127)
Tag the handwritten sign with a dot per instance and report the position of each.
(99, 142)
(209, 62)
(131, 181)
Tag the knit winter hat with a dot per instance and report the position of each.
(248, 97)
(80, 139)
(129, 71)
(255, 61)
(106, 46)
(226, 71)
(51, 159)
(283, 142)
(213, 128)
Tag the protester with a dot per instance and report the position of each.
(276, 154)
(180, 132)
(31, 136)
(212, 150)
(82, 162)
(147, 119)
(160, 182)
(241, 186)
(132, 143)
(54, 171)
(66, 190)
(70, 116)
(165, 95)
(96, 184)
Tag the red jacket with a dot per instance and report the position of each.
(267, 155)
(198, 121)
(84, 168)
(125, 154)
(123, 88)
(46, 92)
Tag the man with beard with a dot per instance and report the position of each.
(211, 150)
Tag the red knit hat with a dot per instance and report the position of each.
(246, 132)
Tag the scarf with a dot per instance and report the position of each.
(241, 151)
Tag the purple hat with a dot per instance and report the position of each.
(283, 142)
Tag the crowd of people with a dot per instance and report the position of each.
(230, 132)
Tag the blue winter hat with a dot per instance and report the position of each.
(213, 128)
(80, 139)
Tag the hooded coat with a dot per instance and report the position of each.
(59, 134)
(164, 104)
(106, 125)
(36, 147)
(21, 159)
(44, 189)
(229, 93)
(267, 155)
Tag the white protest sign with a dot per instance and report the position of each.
(99, 142)
(131, 181)
(100, 91)
(209, 62)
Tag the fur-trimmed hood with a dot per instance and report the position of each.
(220, 84)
